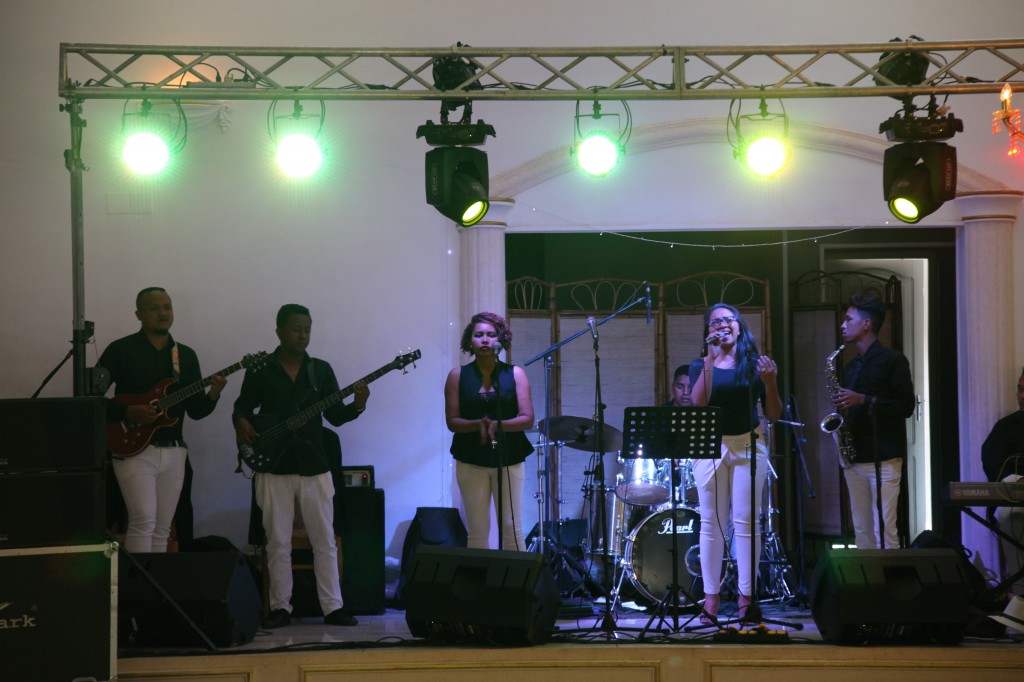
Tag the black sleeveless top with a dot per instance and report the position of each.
(503, 402)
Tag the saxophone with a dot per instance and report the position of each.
(834, 423)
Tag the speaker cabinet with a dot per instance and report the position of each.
(902, 596)
(216, 590)
(52, 434)
(478, 595)
(57, 616)
(51, 509)
(361, 511)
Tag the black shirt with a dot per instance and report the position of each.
(136, 367)
(1004, 444)
(884, 379)
(277, 397)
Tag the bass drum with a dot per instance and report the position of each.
(649, 554)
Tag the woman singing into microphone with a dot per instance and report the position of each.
(732, 375)
(488, 406)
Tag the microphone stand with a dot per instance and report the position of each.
(608, 625)
(498, 447)
(793, 414)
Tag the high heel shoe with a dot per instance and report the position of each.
(743, 603)
(709, 614)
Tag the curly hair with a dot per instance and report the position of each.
(497, 321)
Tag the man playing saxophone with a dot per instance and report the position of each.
(877, 397)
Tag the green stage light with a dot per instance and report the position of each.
(599, 139)
(145, 153)
(760, 140)
(149, 138)
(298, 155)
(597, 154)
(298, 151)
(767, 155)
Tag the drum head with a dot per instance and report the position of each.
(649, 553)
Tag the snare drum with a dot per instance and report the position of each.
(649, 553)
(644, 482)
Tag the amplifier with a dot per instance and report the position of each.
(358, 477)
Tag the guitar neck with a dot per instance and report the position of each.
(195, 387)
(300, 418)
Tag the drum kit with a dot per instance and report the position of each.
(640, 507)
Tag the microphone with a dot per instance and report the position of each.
(648, 305)
(496, 347)
(714, 339)
(593, 327)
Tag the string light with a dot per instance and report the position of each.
(715, 247)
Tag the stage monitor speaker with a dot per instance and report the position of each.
(52, 509)
(432, 526)
(52, 434)
(481, 596)
(896, 596)
(216, 590)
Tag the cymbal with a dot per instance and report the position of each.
(580, 433)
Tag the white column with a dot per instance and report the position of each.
(482, 277)
(985, 336)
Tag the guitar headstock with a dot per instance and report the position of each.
(256, 361)
(409, 358)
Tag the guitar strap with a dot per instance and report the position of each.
(312, 377)
(175, 363)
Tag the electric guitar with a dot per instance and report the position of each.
(276, 429)
(126, 439)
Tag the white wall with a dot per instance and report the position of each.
(378, 268)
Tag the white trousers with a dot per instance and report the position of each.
(277, 495)
(1011, 522)
(150, 484)
(723, 484)
(860, 481)
(479, 486)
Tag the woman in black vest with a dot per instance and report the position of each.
(487, 406)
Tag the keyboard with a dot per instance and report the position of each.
(985, 494)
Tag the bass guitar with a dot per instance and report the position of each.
(275, 429)
(125, 439)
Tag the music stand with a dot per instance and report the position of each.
(671, 432)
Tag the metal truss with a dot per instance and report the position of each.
(628, 73)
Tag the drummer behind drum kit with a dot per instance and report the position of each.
(639, 513)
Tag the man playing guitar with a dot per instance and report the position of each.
(151, 479)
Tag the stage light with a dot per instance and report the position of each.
(457, 183)
(902, 68)
(919, 174)
(297, 136)
(917, 178)
(760, 140)
(599, 139)
(149, 138)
